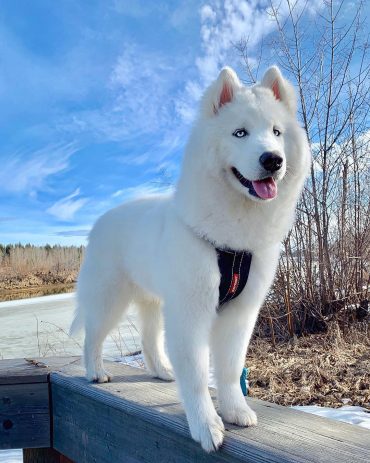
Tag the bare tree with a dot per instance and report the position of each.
(324, 268)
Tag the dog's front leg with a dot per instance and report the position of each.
(188, 326)
(229, 341)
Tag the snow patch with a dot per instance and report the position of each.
(135, 360)
(11, 456)
(37, 300)
(348, 413)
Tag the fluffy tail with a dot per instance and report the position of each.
(77, 323)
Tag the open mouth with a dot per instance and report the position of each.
(265, 188)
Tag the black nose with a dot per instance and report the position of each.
(271, 161)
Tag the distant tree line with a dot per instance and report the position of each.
(18, 260)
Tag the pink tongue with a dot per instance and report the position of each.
(266, 188)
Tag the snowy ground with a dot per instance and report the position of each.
(39, 327)
(11, 456)
(347, 413)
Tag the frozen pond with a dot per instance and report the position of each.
(39, 327)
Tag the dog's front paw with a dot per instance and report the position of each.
(165, 373)
(99, 376)
(241, 415)
(210, 433)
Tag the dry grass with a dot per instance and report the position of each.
(323, 369)
(32, 266)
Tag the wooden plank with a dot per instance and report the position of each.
(24, 401)
(35, 370)
(48, 455)
(24, 416)
(17, 371)
(136, 418)
(101, 433)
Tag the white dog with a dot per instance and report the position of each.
(243, 171)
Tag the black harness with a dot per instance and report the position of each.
(234, 270)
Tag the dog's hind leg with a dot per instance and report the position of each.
(152, 339)
(105, 299)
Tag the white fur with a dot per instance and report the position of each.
(158, 253)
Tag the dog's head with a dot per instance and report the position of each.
(253, 137)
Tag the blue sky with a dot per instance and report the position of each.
(97, 99)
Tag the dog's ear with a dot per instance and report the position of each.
(221, 92)
(281, 88)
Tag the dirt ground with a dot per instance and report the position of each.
(328, 369)
(13, 286)
(11, 280)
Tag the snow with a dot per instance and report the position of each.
(37, 300)
(39, 327)
(11, 456)
(135, 360)
(348, 414)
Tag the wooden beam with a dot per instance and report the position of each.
(24, 416)
(25, 403)
(31, 370)
(49, 403)
(19, 371)
(137, 418)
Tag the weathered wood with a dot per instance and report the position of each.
(24, 401)
(135, 418)
(35, 370)
(18, 371)
(24, 416)
(47, 455)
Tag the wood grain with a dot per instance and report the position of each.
(32, 370)
(47, 455)
(24, 416)
(137, 418)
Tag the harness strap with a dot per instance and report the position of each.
(234, 270)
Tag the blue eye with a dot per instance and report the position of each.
(277, 132)
(240, 133)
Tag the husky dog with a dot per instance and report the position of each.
(242, 174)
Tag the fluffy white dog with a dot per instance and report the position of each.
(243, 171)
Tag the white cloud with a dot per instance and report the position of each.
(143, 83)
(223, 24)
(117, 194)
(79, 232)
(140, 191)
(141, 107)
(66, 208)
(28, 172)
